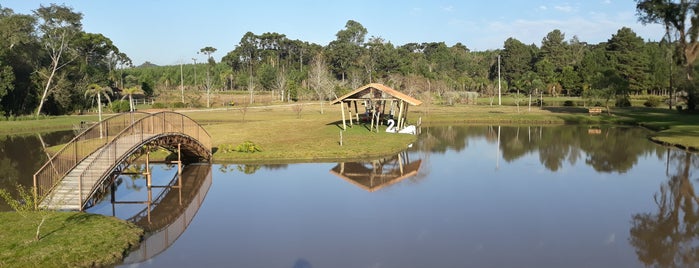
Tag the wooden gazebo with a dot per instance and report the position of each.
(379, 101)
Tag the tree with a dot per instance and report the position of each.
(59, 25)
(516, 60)
(128, 92)
(625, 51)
(211, 62)
(675, 16)
(555, 48)
(345, 50)
(18, 57)
(319, 79)
(96, 91)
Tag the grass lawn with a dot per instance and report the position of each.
(68, 239)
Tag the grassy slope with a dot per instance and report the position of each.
(68, 239)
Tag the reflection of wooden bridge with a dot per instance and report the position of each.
(83, 169)
(172, 212)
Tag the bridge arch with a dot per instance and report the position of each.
(89, 162)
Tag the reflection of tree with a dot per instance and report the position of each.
(670, 238)
(134, 173)
(616, 149)
(249, 169)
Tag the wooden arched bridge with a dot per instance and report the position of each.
(76, 176)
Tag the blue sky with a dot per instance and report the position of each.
(172, 32)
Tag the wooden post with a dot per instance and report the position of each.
(342, 107)
(356, 111)
(340, 138)
(179, 165)
(349, 111)
(405, 114)
(373, 113)
(148, 177)
(400, 115)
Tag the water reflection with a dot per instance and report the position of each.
(670, 236)
(607, 149)
(376, 174)
(22, 155)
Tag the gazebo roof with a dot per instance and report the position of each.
(369, 91)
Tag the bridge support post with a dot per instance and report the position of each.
(179, 165)
(148, 175)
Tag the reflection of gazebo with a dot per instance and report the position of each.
(378, 100)
(375, 175)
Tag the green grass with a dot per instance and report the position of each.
(69, 239)
(45, 124)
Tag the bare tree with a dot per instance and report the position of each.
(59, 25)
(280, 83)
(319, 79)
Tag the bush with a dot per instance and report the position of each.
(158, 105)
(179, 104)
(568, 103)
(248, 147)
(653, 101)
(120, 106)
(245, 147)
(622, 102)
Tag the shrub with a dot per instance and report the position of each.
(158, 105)
(248, 147)
(568, 103)
(622, 102)
(120, 106)
(179, 104)
(653, 101)
(226, 148)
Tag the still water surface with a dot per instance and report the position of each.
(553, 196)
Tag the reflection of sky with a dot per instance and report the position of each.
(464, 213)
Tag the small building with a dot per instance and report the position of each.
(379, 102)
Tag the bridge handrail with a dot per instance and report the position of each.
(167, 122)
(78, 149)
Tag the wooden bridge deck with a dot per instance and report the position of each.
(66, 195)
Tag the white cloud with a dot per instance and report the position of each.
(543, 8)
(593, 29)
(448, 8)
(565, 8)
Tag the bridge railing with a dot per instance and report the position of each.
(79, 148)
(139, 132)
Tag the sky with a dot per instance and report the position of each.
(172, 32)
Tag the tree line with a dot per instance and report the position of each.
(47, 63)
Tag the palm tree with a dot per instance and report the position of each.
(130, 92)
(96, 91)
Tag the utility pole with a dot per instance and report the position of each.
(499, 88)
(195, 72)
(182, 82)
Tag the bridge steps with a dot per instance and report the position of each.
(66, 195)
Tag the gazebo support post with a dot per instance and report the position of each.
(349, 111)
(399, 120)
(342, 108)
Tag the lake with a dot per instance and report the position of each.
(461, 196)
